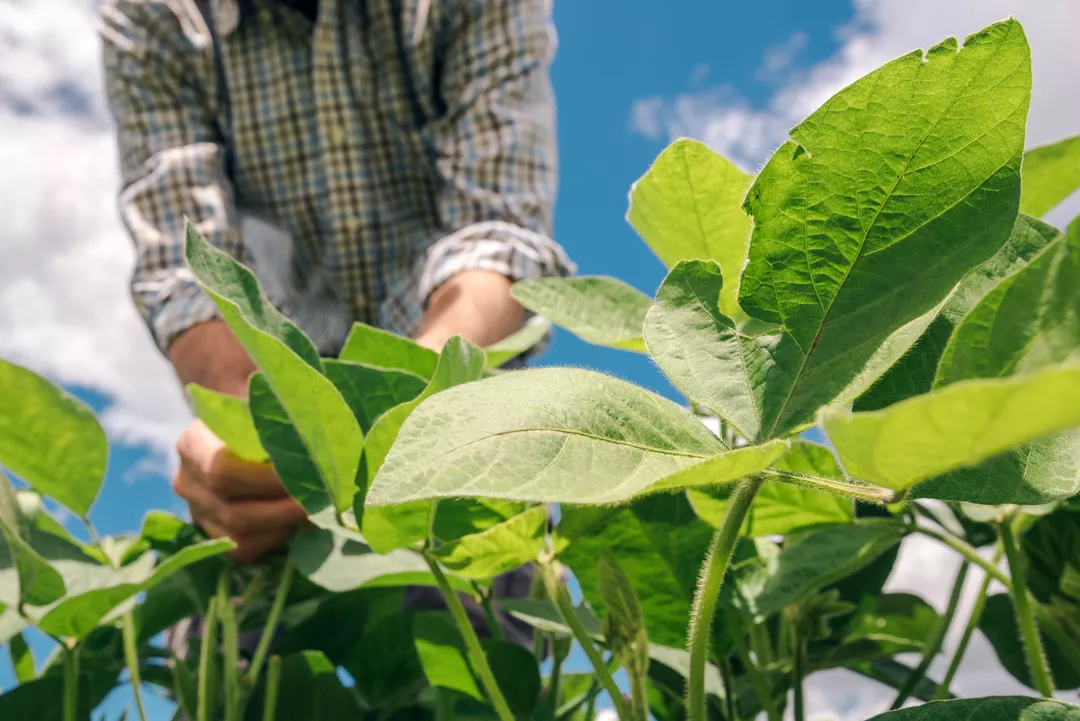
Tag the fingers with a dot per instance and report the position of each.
(249, 549)
(206, 460)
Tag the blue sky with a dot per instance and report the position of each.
(629, 76)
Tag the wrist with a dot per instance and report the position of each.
(209, 354)
(475, 304)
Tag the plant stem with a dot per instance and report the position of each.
(444, 705)
(1065, 642)
(757, 679)
(798, 669)
(273, 679)
(206, 660)
(71, 682)
(561, 598)
(967, 552)
(729, 689)
(131, 658)
(272, 621)
(870, 494)
(712, 577)
(933, 644)
(472, 644)
(639, 695)
(556, 674)
(1025, 619)
(229, 644)
(969, 631)
(489, 613)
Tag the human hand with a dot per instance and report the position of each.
(233, 498)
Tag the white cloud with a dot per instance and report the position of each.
(780, 57)
(65, 258)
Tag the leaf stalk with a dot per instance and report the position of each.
(1025, 618)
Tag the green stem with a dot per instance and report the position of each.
(729, 689)
(757, 679)
(207, 653)
(969, 631)
(131, 658)
(444, 704)
(230, 646)
(712, 577)
(272, 621)
(933, 644)
(798, 670)
(1065, 642)
(71, 682)
(639, 695)
(472, 643)
(273, 680)
(556, 673)
(966, 551)
(1025, 619)
(870, 494)
(566, 609)
(489, 613)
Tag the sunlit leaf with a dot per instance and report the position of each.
(371, 391)
(498, 549)
(380, 348)
(597, 309)
(442, 654)
(521, 341)
(995, 708)
(1051, 174)
(229, 418)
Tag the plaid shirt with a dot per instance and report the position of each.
(397, 142)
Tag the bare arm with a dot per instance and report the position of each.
(210, 355)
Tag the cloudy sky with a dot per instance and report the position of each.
(631, 75)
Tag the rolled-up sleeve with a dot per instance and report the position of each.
(171, 159)
(495, 146)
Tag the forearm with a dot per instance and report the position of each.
(209, 355)
(475, 304)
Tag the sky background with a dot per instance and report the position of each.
(630, 76)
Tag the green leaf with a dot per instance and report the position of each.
(40, 699)
(498, 549)
(1051, 547)
(290, 365)
(919, 159)
(995, 708)
(382, 349)
(310, 690)
(597, 309)
(371, 391)
(914, 373)
(442, 654)
(289, 455)
(22, 659)
(50, 439)
(659, 544)
(94, 590)
(817, 558)
(336, 562)
(399, 526)
(960, 425)
(555, 435)
(34, 581)
(624, 623)
(898, 622)
(998, 624)
(229, 418)
(521, 341)
(516, 674)
(781, 506)
(1051, 174)
(689, 206)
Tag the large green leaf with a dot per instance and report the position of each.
(555, 435)
(1051, 174)
(310, 690)
(50, 439)
(498, 549)
(897, 622)
(624, 625)
(658, 542)
(817, 558)
(290, 364)
(919, 159)
(25, 577)
(390, 527)
(289, 455)
(914, 373)
(994, 708)
(960, 425)
(382, 349)
(371, 391)
(783, 504)
(998, 624)
(1051, 547)
(41, 699)
(230, 420)
(597, 309)
(338, 563)
(516, 674)
(442, 654)
(689, 206)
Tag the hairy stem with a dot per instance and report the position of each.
(969, 631)
(272, 621)
(933, 644)
(1025, 618)
(71, 682)
(489, 613)
(273, 680)
(472, 643)
(712, 577)
(556, 673)
(862, 492)
(131, 658)
(561, 598)
(798, 668)
(966, 551)
(729, 689)
(230, 646)
(757, 679)
(207, 653)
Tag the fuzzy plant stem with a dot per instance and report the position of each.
(273, 680)
(131, 658)
(272, 621)
(1025, 618)
(207, 653)
(969, 631)
(566, 609)
(933, 644)
(757, 679)
(71, 682)
(798, 669)
(230, 646)
(712, 577)
(472, 643)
